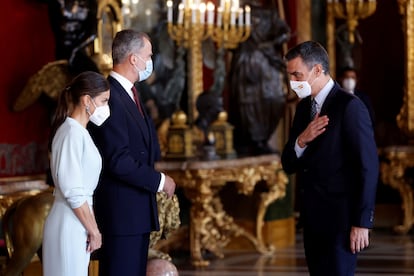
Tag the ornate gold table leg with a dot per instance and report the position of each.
(393, 174)
(210, 226)
(277, 189)
(202, 229)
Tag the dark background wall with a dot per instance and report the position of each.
(381, 58)
(26, 44)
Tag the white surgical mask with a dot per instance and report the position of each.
(302, 88)
(349, 84)
(100, 114)
(146, 73)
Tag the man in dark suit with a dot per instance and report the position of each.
(335, 157)
(125, 199)
(349, 80)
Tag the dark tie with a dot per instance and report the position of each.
(136, 99)
(314, 110)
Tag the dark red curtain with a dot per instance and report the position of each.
(26, 45)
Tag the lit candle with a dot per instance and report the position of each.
(180, 13)
(219, 15)
(233, 16)
(202, 12)
(240, 17)
(170, 11)
(210, 13)
(247, 10)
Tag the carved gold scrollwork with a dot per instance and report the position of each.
(211, 228)
(393, 173)
(405, 118)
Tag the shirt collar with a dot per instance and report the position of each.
(321, 96)
(125, 83)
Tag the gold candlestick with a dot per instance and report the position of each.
(195, 22)
(352, 11)
(189, 31)
(227, 34)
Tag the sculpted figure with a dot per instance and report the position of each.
(74, 24)
(210, 102)
(257, 83)
(162, 92)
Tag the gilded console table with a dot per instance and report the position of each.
(210, 226)
(397, 159)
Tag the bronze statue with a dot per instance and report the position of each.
(167, 83)
(74, 24)
(210, 103)
(257, 97)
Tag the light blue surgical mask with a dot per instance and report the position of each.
(146, 73)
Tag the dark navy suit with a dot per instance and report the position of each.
(337, 175)
(125, 199)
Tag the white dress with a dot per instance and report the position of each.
(75, 166)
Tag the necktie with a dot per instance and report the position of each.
(314, 110)
(136, 98)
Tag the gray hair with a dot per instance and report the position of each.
(125, 43)
(312, 53)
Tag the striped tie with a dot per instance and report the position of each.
(314, 110)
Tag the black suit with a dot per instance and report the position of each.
(338, 174)
(125, 199)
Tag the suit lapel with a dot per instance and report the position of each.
(132, 109)
(324, 111)
(328, 100)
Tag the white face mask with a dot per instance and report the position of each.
(145, 74)
(302, 88)
(349, 84)
(100, 114)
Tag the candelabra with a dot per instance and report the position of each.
(352, 11)
(228, 25)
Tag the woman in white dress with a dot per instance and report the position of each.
(70, 231)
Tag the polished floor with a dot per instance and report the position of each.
(388, 255)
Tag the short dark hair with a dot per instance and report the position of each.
(126, 42)
(346, 69)
(312, 53)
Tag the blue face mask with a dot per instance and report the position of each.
(145, 74)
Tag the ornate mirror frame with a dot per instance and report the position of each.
(110, 21)
(405, 118)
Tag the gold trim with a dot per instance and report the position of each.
(210, 226)
(405, 118)
(113, 9)
(393, 173)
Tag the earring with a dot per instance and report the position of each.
(87, 110)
